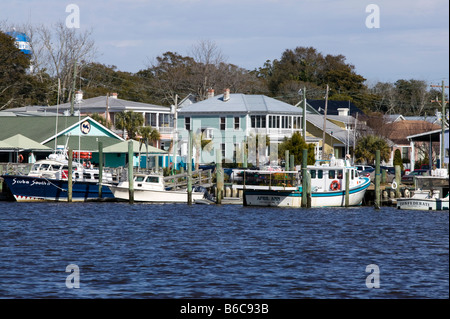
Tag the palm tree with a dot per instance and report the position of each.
(367, 146)
(148, 134)
(119, 122)
(129, 121)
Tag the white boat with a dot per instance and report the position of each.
(151, 188)
(284, 189)
(431, 192)
(424, 200)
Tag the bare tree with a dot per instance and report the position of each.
(208, 58)
(58, 48)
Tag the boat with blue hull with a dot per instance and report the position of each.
(48, 181)
(32, 189)
(284, 189)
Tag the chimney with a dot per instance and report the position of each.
(343, 111)
(78, 96)
(210, 93)
(226, 95)
(114, 95)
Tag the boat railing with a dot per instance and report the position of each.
(15, 168)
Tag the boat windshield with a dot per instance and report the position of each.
(139, 178)
(152, 179)
(35, 167)
(44, 167)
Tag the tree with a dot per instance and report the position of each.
(14, 82)
(367, 146)
(148, 134)
(295, 145)
(57, 48)
(129, 121)
(398, 159)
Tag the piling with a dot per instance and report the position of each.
(219, 177)
(347, 188)
(377, 180)
(130, 172)
(304, 178)
(286, 161)
(189, 168)
(100, 169)
(308, 189)
(398, 174)
(69, 177)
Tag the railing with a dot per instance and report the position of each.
(15, 168)
(200, 177)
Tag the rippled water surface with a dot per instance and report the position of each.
(229, 251)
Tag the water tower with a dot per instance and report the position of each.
(22, 42)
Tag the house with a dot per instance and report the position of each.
(156, 116)
(429, 138)
(399, 131)
(342, 108)
(78, 133)
(226, 121)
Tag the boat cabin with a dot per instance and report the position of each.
(332, 178)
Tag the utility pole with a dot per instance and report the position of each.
(175, 137)
(443, 102)
(73, 88)
(324, 124)
(304, 113)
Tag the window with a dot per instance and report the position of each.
(313, 173)
(222, 148)
(331, 174)
(320, 174)
(150, 119)
(165, 120)
(405, 152)
(223, 123)
(187, 123)
(152, 179)
(207, 133)
(236, 123)
(258, 121)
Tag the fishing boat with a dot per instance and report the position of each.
(429, 194)
(285, 189)
(48, 180)
(424, 200)
(151, 188)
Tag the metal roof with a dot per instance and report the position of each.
(242, 103)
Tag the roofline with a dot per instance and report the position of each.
(426, 133)
(77, 123)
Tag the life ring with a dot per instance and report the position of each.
(20, 158)
(394, 185)
(334, 186)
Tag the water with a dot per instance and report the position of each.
(230, 251)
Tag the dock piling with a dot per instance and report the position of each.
(130, 172)
(377, 180)
(69, 177)
(100, 169)
(189, 169)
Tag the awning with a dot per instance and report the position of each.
(122, 147)
(20, 142)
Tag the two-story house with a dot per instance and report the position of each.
(226, 121)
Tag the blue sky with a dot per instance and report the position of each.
(412, 41)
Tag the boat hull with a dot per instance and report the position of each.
(423, 204)
(34, 189)
(153, 196)
(280, 198)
